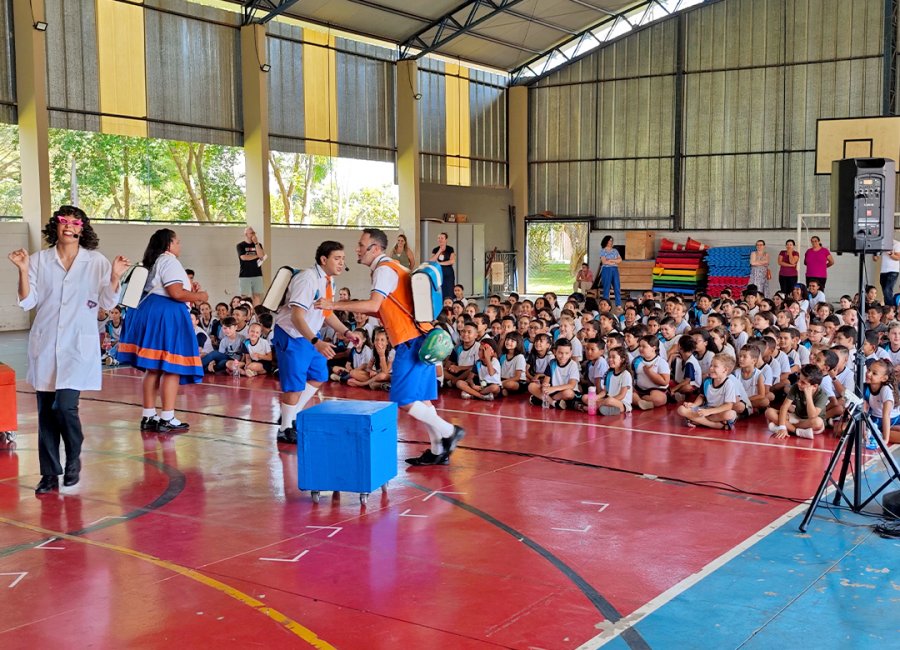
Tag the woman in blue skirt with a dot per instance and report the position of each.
(159, 336)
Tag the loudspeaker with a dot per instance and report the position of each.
(891, 505)
(862, 205)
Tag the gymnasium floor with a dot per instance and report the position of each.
(549, 530)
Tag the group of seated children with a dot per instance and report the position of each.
(718, 360)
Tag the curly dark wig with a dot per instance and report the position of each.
(88, 238)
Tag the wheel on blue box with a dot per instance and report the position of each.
(10, 435)
(315, 495)
(363, 498)
(384, 488)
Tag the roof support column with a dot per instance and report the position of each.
(517, 137)
(408, 173)
(31, 94)
(256, 137)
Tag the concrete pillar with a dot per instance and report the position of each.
(518, 170)
(255, 97)
(408, 173)
(31, 93)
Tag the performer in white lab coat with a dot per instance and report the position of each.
(66, 283)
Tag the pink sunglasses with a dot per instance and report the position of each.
(70, 221)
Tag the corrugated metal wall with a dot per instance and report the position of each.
(193, 75)
(7, 63)
(72, 72)
(286, 106)
(601, 133)
(758, 74)
(487, 125)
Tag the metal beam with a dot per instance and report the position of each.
(268, 8)
(461, 20)
(539, 67)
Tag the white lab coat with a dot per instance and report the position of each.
(63, 346)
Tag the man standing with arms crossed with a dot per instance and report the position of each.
(251, 254)
(302, 356)
(413, 382)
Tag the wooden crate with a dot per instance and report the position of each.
(636, 275)
(640, 245)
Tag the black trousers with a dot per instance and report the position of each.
(58, 418)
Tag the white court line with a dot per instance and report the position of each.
(558, 422)
(643, 612)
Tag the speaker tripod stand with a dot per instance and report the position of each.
(857, 429)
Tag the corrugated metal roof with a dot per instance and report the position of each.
(504, 41)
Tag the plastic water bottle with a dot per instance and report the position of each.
(592, 400)
(236, 370)
(546, 402)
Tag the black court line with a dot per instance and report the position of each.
(175, 487)
(631, 636)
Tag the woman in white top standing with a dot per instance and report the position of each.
(159, 335)
(66, 283)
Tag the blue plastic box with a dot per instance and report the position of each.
(347, 446)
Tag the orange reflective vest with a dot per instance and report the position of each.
(396, 310)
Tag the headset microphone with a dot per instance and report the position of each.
(76, 235)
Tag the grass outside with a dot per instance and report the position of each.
(554, 277)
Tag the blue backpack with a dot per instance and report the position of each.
(427, 293)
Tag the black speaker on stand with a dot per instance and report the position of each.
(862, 222)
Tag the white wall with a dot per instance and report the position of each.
(209, 250)
(489, 206)
(842, 277)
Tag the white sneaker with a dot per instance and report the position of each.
(489, 397)
(645, 404)
(609, 410)
(466, 396)
(335, 377)
(774, 428)
(805, 433)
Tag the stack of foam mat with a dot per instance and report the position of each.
(680, 268)
(729, 268)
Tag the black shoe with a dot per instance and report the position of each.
(535, 401)
(72, 475)
(149, 424)
(166, 426)
(429, 458)
(47, 484)
(288, 436)
(450, 443)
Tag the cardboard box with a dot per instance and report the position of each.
(347, 446)
(456, 217)
(640, 245)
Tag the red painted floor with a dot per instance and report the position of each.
(203, 539)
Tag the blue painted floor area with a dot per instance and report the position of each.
(836, 586)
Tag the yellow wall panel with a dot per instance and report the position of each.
(123, 81)
(456, 98)
(320, 93)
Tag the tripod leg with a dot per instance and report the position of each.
(820, 492)
(850, 438)
(890, 463)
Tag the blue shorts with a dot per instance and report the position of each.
(412, 380)
(895, 421)
(298, 362)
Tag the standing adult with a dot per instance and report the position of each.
(67, 283)
(302, 356)
(817, 260)
(609, 269)
(759, 268)
(159, 335)
(413, 382)
(251, 254)
(890, 270)
(446, 257)
(787, 266)
(403, 253)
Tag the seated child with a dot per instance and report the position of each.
(558, 388)
(484, 381)
(360, 356)
(512, 365)
(229, 347)
(257, 358)
(827, 361)
(616, 394)
(651, 375)
(883, 400)
(458, 366)
(803, 410)
(537, 363)
(377, 372)
(752, 379)
(717, 406)
(686, 373)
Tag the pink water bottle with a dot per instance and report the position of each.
(592, 401)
